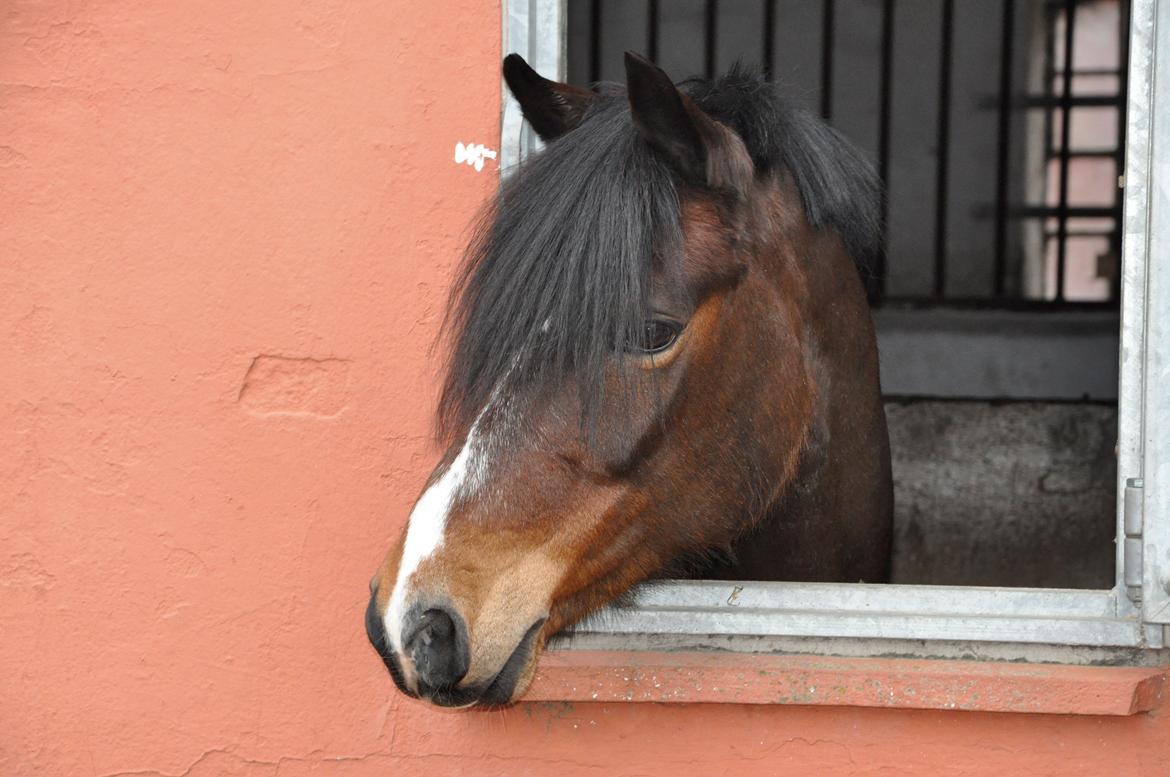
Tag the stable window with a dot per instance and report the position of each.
(1060, 241)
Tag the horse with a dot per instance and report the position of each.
(661, 363)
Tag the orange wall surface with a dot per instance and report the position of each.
(226, 233)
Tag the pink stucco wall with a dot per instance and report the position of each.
(225, 235)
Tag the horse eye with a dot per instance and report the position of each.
(657, 335)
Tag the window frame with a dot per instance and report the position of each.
(932, 620)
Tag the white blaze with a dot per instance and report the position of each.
(424, 530)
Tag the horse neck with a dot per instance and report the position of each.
(815, 273)
(833, 522)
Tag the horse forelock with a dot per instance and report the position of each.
(559, 272)
(557, 276)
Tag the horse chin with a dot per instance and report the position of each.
(516, 675)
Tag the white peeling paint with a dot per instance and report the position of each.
(473, 154)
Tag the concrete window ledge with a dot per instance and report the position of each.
(738, 678)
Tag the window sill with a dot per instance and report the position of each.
(896, 683)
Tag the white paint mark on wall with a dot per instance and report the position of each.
(473, 154)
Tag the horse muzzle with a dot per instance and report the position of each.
(435, 657)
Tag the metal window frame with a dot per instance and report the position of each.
(1144, 450)
(921, 619)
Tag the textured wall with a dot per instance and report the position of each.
(1017, 493)
(225, 234)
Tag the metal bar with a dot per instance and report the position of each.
(1073, 211)
(1123, 13)
(1106, 233)
(1003, 148)
(1048, 77)
(943, 146)
(887, 73)
(1070, 23)
(652, 30)
(1108, 71)
(1096, 152)
(827, 59)
(595, 42)
(769, 63)
(710, 28)
(1074, 101)
(993, 303)
(870, 611)
(1033, 101)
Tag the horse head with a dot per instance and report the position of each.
(644, 371)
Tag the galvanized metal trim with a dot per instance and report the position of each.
(534, 29)
(857, 647)
(1156, 379)
(1135, 251)
(907, 599)
(895, 612)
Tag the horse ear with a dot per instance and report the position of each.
(701, 149)
(663, 119)
(552, 108)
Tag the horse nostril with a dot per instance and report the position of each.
(436, 641)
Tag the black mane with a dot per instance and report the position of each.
(838, 186)
(557, 275)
